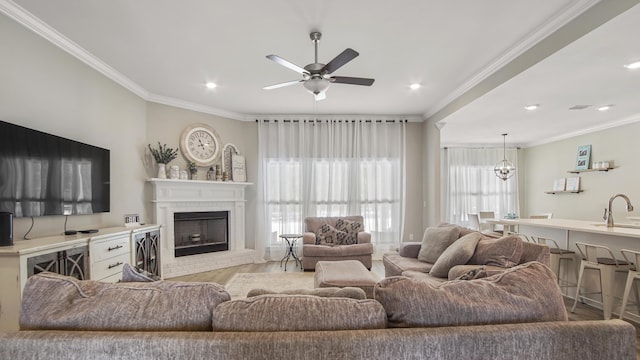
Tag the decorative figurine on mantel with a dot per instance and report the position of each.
(163, 155)
(211, 174)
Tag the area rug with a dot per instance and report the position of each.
(240, 284)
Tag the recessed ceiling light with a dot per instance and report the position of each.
(633, 65)
(604, 107)
(415, 86)
(531, 107)
(210, 85)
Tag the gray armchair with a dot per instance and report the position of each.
(313, 251)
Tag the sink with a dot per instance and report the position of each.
(621, 225)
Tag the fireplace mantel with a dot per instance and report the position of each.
(171, 196)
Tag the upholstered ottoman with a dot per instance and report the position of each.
(344, 273)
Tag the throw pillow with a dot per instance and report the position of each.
(525, 293)
(504, 252)
(348, 226)
(132, 274)
(457, 253)
(328, 235)
(56, 302)
(435, 241)
(303, 313)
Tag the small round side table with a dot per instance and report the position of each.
(290, 250)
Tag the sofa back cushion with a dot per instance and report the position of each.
(504, 252)
(535, 252)
(435, 240)
(55, 302)
(525, 293)
(298, 313)
(345, 292)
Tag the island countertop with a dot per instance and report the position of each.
(594, 227)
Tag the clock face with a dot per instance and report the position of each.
(200, 144)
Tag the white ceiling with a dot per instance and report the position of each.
(479, 62)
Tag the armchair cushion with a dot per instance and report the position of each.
(435, 241)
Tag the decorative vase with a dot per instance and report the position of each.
(162, 171)
(174, 172)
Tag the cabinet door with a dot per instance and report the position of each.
(148, 252)
(76, 262)
(47, 262)
(70, 262)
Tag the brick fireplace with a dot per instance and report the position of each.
(188, 200)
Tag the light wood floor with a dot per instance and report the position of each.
(222, 276)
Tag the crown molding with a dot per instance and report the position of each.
(166, 100)
(624, 121)
(552, 25)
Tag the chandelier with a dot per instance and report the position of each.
(504, 169)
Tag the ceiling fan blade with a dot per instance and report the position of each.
(287, 64)
(320, 96)
(344, 57)
(351, 80)
(275, 86)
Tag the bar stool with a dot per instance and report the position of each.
(556, 256)
(632, 275)
(607, 266)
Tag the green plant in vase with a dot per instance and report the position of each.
(193, 169)
(163, 155)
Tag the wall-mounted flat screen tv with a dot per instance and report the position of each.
(43, 174)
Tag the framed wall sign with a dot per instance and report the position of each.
(584, 157)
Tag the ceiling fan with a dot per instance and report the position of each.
(316, 76)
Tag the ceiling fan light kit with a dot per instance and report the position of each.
(316, 76)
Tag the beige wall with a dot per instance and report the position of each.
(547, 162)
(43, 88)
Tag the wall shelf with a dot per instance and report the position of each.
(589, 170)
(563, 192)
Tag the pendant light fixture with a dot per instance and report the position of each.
(504, 169)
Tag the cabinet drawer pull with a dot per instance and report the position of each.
(111, 248)
(111, 266)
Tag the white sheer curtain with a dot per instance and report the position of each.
(469, 184)
(330, 167)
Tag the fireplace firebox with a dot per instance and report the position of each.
(200, 232)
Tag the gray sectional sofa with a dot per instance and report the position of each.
(455, 251)
(517, 314)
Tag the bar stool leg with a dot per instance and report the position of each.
(555, 266)
(573, 308)
(607, 278)
(625, 297)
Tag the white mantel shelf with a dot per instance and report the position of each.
(170, 196)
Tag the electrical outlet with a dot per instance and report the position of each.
(410, 237)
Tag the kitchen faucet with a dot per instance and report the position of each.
(608, 217)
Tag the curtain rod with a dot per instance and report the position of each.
(321, 120)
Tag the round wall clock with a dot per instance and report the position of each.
(200, 143)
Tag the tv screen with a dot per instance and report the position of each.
(43, 174)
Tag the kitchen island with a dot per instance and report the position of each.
(566, 232)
